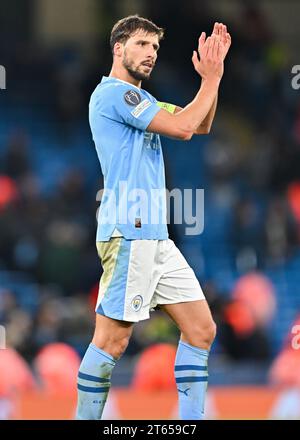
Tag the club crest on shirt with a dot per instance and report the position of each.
(132, 97)
(137, 303)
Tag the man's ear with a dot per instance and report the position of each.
(118, 49)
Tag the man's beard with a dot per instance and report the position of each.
(138, 75)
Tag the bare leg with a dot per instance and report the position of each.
(195, 322)
(110, 340)
(112, 335)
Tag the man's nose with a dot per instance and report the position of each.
(151, 53)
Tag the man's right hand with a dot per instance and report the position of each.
(186, 122)
(211, 64)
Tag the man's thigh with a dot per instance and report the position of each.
(111, 329)
(188, 315)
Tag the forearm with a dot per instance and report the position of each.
(205, 126)
(196, 112)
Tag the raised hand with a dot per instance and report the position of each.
(220, 29)
(211, 55)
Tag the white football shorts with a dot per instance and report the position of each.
(139, 275)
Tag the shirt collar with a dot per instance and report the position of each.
(112, 78)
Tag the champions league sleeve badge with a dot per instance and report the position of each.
(132, 97)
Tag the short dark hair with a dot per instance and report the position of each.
(128, 26)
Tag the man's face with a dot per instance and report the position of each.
(140, 54)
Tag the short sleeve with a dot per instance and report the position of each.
(127, 105)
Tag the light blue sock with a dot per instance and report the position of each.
(93, 383)
(191, 379)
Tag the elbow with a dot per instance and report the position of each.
(204, 129)
(186, 135)
(184, 130)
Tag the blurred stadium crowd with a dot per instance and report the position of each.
(247, 260)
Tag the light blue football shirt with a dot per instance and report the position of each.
(131, 159)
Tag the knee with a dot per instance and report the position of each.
(113, 346)
(118, 348)
(206, 333)
(211, 332)
(201, 336)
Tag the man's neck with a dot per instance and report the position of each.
(124, 75)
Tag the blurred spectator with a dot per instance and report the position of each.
(60, 260)
(154, 369)
(247, 233)
(15, 378)
(8, 191)
(280, 232)
(239, 336)
(254, 29)
(285, 369)
(69, 94)
(56, 366)
(16, 162)
(284, 373)
(48, 321)
(256, 291)
(77, 325)
(15, 374)
(286, 366)
(8, 303)
(19, 331)
(244, 323)
(293, 196)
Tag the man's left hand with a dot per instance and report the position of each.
(220, 29)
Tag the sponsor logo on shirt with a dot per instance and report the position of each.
(141, 108)
(132, 97)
